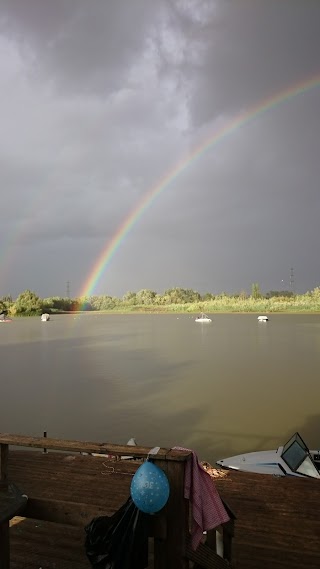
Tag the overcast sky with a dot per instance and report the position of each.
(100, 99)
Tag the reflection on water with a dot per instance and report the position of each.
(231, 386)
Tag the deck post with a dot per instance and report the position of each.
(4, 546)
(170, 553)
(228, 534)
(4, 526)
(4, 457)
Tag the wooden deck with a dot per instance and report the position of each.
(277, 519)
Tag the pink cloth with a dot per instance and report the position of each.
(208, 510)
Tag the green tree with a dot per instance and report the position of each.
(130, 298)
(145, 296)
(255, 291)
(7, 299)
(57, 303)
(104, 302)
(208, 296)
(316, 293)
(279, 293)
(28, 304)
(179, 295)
(173, 296)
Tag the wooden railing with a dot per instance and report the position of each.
(172, 548)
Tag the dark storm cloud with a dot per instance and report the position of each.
(100, 101)
(79, 45)
(259, 48)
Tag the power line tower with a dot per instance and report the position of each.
(68, 289)
(291, 280)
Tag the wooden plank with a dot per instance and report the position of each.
(4, 546)
(47, 545)
(62, 512)
(91, 447)
(206, 557)
(4, 457)
(78, 514)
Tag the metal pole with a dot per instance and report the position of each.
(45, 436)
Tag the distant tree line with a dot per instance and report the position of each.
(28, 303)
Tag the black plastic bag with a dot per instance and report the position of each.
(119, 541)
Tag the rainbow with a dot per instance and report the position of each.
(234, 124)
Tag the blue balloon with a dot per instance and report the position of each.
(150, 488)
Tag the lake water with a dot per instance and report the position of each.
(222, 388)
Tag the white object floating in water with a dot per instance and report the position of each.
(45, 317)
(203, 318)
(263, 318)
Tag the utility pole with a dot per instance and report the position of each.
(68, 289)
(291, 280)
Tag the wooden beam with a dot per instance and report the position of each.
(91, 447)
(62, 512)
(78, 514)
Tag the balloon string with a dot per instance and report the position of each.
(111, 470)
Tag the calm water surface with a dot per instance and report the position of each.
(222, 388)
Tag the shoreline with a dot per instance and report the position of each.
(191, 313)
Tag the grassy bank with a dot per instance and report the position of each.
(172, 301)
(226, 305)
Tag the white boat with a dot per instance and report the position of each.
(203, 318)
(263, 318)
(45, 317)
(292, 459)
